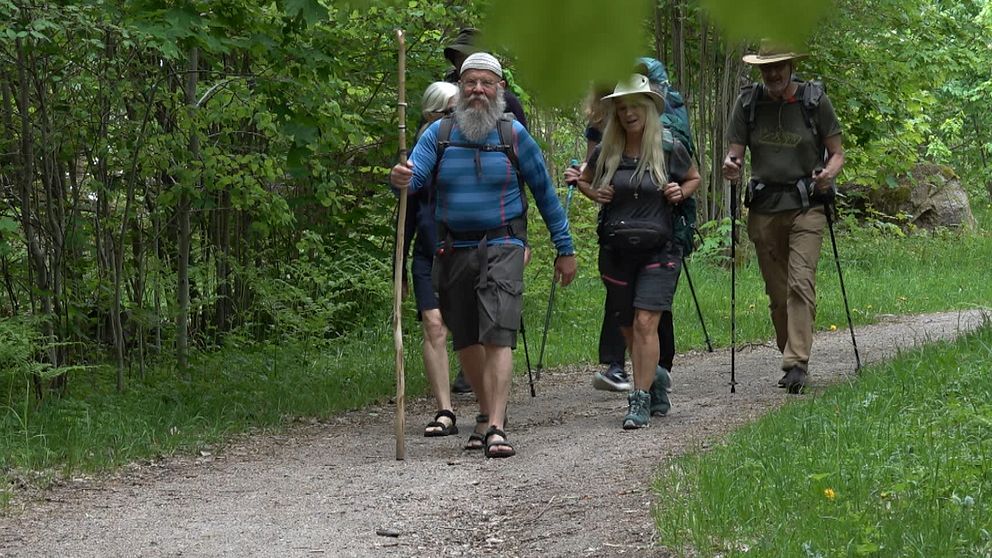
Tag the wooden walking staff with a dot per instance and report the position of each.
(398, 261)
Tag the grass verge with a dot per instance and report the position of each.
(896, 464)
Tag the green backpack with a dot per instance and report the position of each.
(684, 214)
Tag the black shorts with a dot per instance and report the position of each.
(423, 288)
(645, 281)
(424, 247)
(488, 313)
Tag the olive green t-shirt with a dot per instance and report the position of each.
(783, 148)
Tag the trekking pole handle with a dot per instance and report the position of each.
(735, 186)
(573, 164)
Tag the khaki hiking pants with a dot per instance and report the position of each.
(788, 247)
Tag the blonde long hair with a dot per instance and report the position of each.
(652, 157)
(595, 108)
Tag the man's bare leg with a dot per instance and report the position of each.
(473, 362)
(498, 374)
(436, 358)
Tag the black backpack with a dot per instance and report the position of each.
(809, 92)
(516, 227)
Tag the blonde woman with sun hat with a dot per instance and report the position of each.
(638, 183)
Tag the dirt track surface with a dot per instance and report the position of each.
(579, 486)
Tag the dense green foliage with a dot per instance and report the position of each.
(896, 464)
(188, 174)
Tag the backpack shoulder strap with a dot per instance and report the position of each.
(444, 133)
(442, 142)
(809, 94)
(750, 95)
(504, 127)
(667, 143)
(812, 93)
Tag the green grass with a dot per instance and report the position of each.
(228, 392)
(896, 464)
(237, 389)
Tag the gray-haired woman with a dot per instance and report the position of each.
(438, 101)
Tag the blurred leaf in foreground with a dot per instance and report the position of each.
(558, 47)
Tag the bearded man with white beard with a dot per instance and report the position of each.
(482, 232)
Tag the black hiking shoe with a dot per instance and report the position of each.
(460, 384)
(796, 379)
(781, 381)
(613, 379)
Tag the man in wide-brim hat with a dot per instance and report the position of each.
(796, 153)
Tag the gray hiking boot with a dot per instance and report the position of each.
(639, 402)
(660, 404)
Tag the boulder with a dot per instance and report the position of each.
(929, 197)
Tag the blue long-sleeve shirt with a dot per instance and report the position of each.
(477, 190)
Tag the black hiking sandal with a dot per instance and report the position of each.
(436, 428)
(477, 440)
(795, 380)
(490, 444)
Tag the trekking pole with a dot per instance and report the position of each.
(398, 258)
(734, 186)
(554, 284)
(530, 375)
(699, 312)
(830, 209)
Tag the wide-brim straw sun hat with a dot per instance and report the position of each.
(637, 85)
(770, 53)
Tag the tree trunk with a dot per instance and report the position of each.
(678, 44)
(222, 258)
(183, 216)
(37, 264)
(703, 102)
(659, 32)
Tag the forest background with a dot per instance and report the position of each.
(193, 192)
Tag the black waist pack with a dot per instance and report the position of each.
(635, 235)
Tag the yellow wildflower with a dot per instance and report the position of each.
(829, 494)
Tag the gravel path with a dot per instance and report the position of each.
(579, 486)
